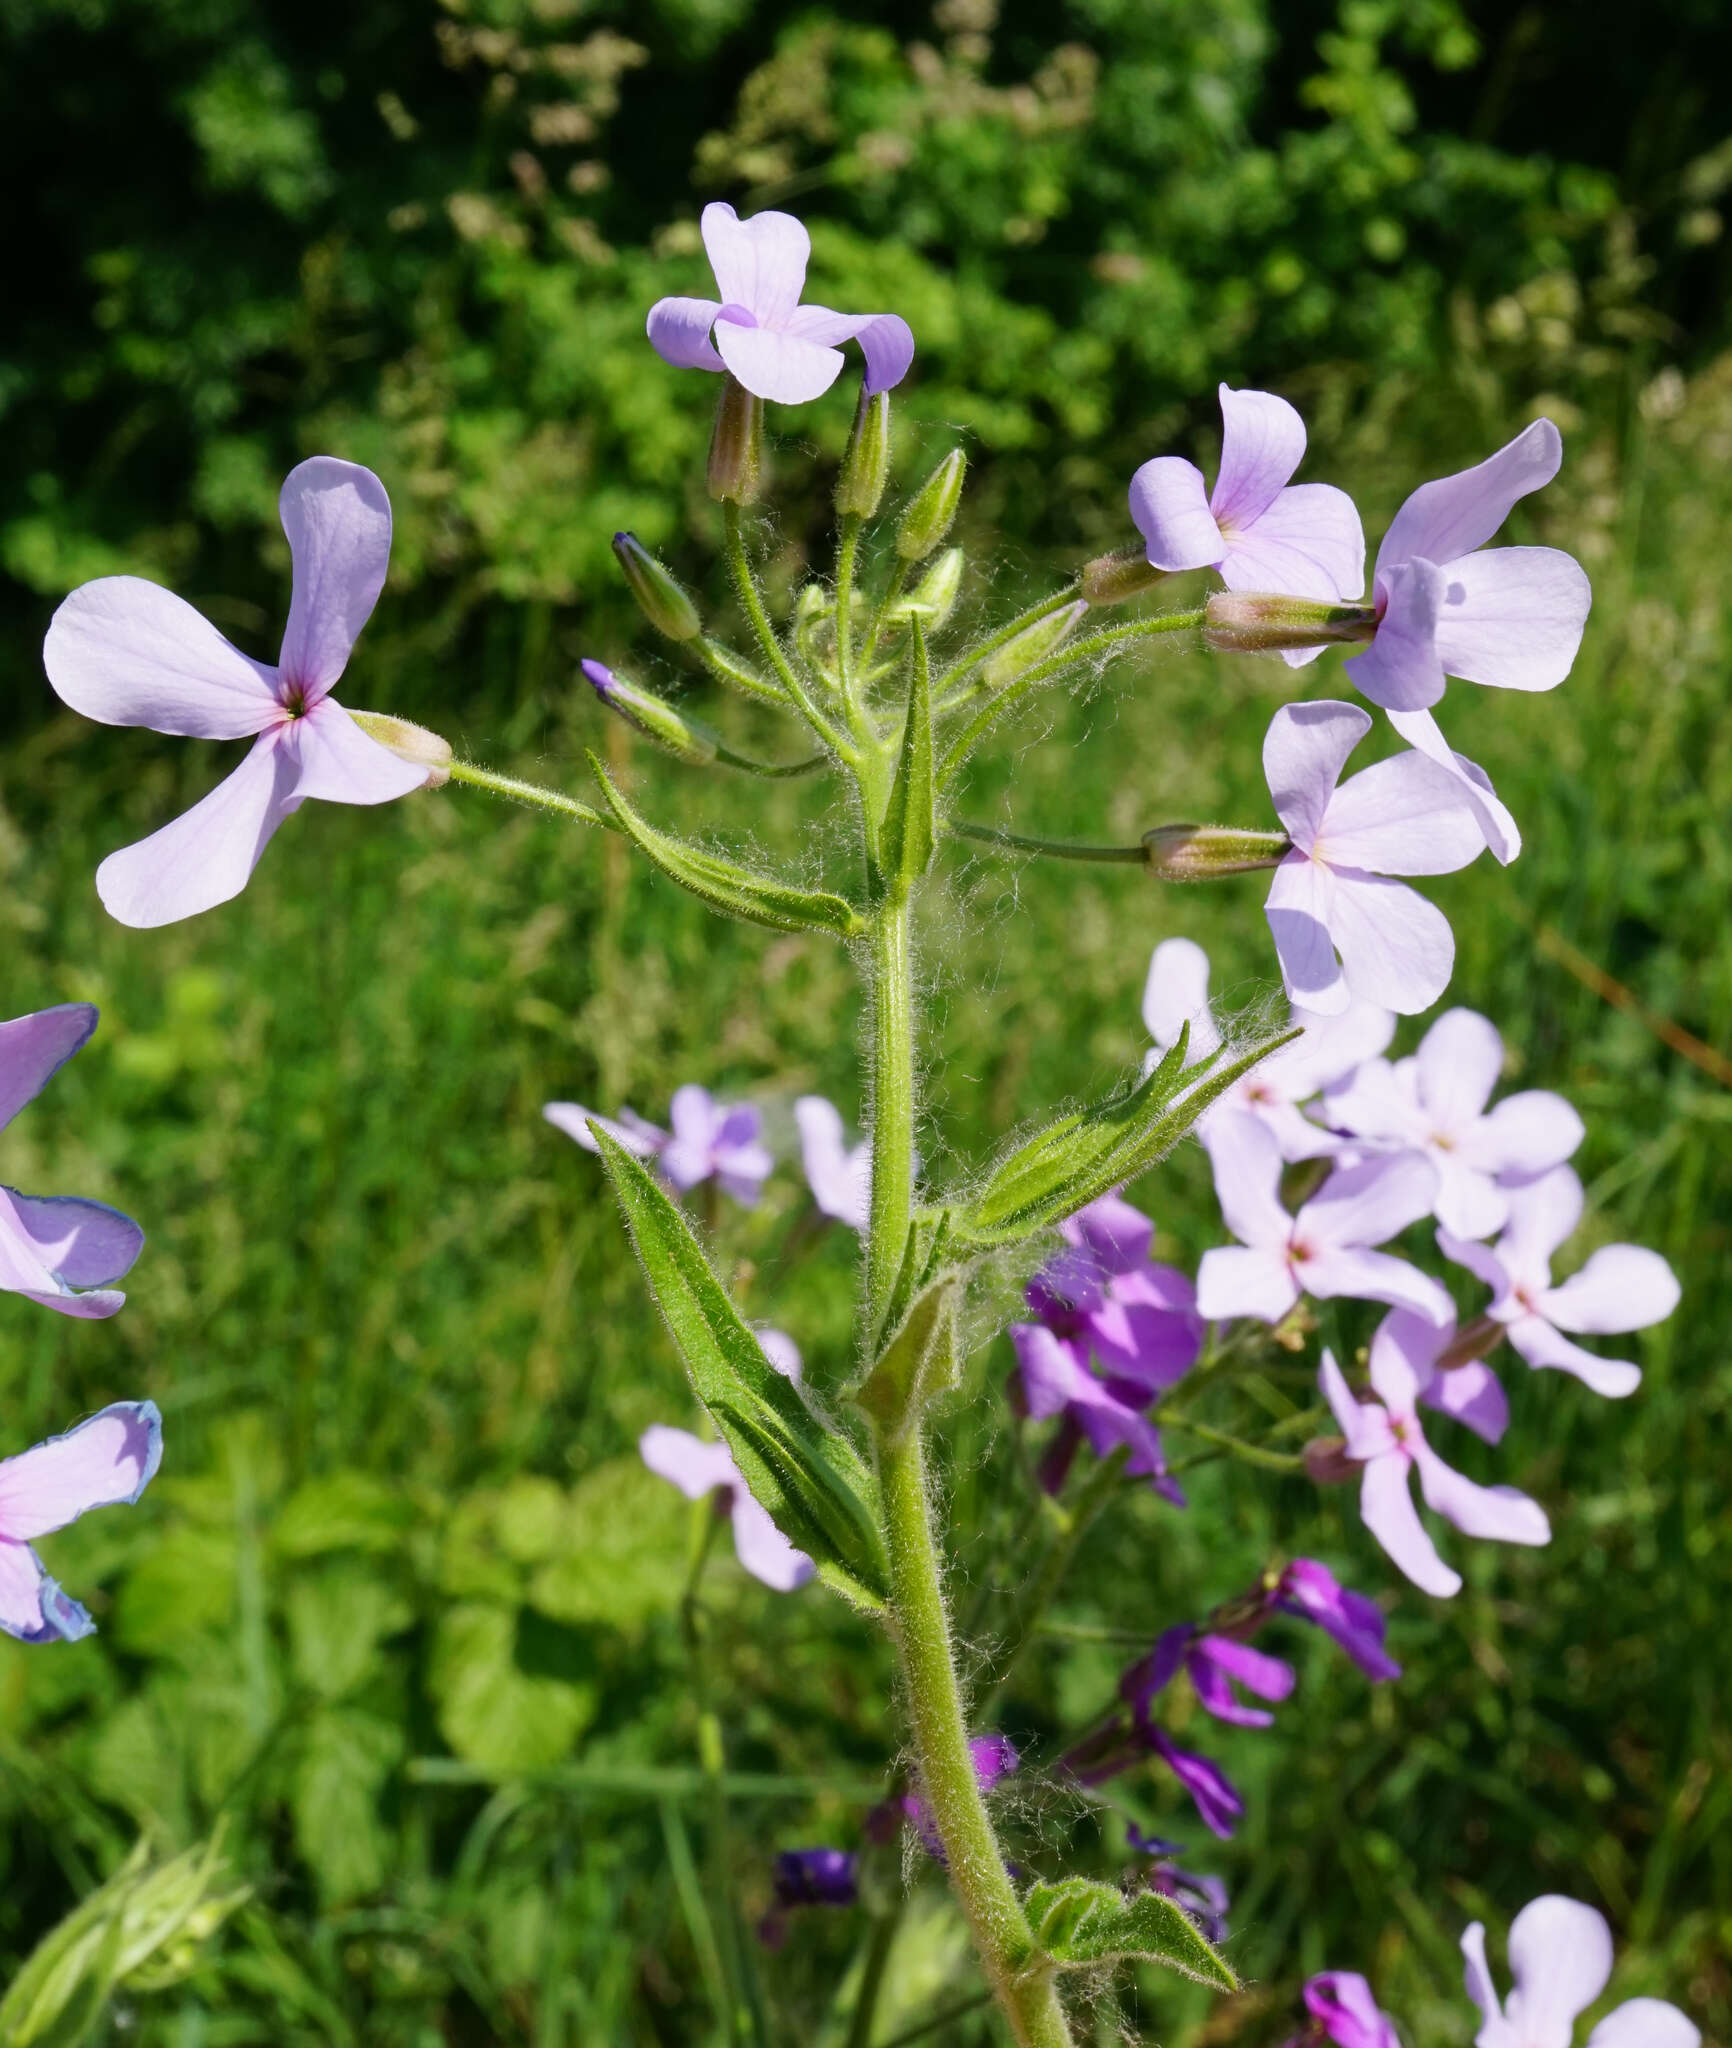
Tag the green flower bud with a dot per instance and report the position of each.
(409, 743)
(1258, 624)
(737, 446)
(932, 508)
(867, 462)
(1327, 1462)
(1033, 644)
(661, 599)
(654, 717)
(1197, 853)
(933, 598)
(1114, 579)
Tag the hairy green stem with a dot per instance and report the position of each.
(530, 793)
(1234, 1446)
(752, 603)
(847, 549)
(892, 1206)
(881, 612)
(976, 655)
(1055, 849)
(774, 770)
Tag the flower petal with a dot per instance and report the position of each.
(34, 1048)
(1543, 1215)
(1363, 1424)
(759, 263)
(886, 341)
(341, 764)
(127, 652)
(1512, 618)
(1477, 1974)
(1472, 1395)
(695, 1467)
(1528, 1134)
(206, 855)
(1240, 1280)
(1346, 1273)
(1309, 543)
(1304, 752)
(1560, 1955)
(1297, 909)
(105, 1462)
(1644, 2023)
(1545, 1348)
(1396, 948)
(1247, 1167)
(643, 1140)
(679, 332)
(1369, 1202)
(1386, 1507)
(777, 366)
(1403, 816)
(1502, 834)
(1209, 1786)
(1176, 993)
(764, 1551)
(1170, 509)
(840, 1178)
(1262, 444)
(1497, 1513)
(1400, 669)
(1622, 1287)
(338, 520)
(32, 1606)
(1458, 1064)
(1450, 517)
(82, 1243)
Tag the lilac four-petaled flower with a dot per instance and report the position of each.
(701, 1469)
(839, 1174)
(127, 652)
(758, 330)
(708, 1140)
(1560, 1955)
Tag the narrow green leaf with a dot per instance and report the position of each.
(919, 1361)
(1079, 1922)
(1087, 1154)
(910, 818)
(814, 1484)
(733, 890)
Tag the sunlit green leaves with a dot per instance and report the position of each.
(491, 1711)
(1079, 1922)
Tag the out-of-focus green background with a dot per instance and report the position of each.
(401, 1558)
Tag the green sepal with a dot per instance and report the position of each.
(806, 1474)
(920, 1360)
(1080, 1922)
(910, 817)
(1092, 1151)
(724, 886)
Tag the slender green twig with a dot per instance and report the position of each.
(941, 2018)
(697, 1915)
(1233, 1446)
(530, 793)
(722, 664)
(752, 603)
(771, 769)
(1055, 849)
(877, 1961)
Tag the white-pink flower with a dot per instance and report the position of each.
(1435, 1103)
(1343, 930)
(1257, 530)
(1560, 1956)
(1622, 1287)
(127, 652)
(1385, 1437)
(1326, 1249)
(839, 1174)
(106, 1461)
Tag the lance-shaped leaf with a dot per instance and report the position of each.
(919, 1361)
(814, 1484)
(1079, 1922)
(724, 885)
(910, 818)
(1092, 1151)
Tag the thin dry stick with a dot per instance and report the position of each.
(1714, 1064)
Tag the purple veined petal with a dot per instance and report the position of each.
(886, 341)
(107, 1461)
(1421, 731)
(1239, 1280)
(1341, 2003)
(1297, 910)
(32, 1606)
(1304, 752)
(1387, 1510)
(642, 1140)
(1459, 1061)
(126, 652)
(1052, 1374)
(1262, 444)
(1347, 1273)
(1545, 1348)
(341, 764)
(1211, 1790)
(1622, 1287)
(1560, 1956)
(776, 366)
(1309, 543)
(338, 521)
(1311, 1591)
(1247, 1167)
(1453, 515)
(1512, 618)
(764, 1551)
(1499, 1514)
(1400, 669)
(1403, 816)
(759, 263)
(1476, 1974)
(1369, 1202)
(1115, 1235)
(994, 1758)
(1645, 2023)
(1151, 1675)
(1472, 1395)
(82, 1243)
(1270, 1678)
(1543, 1216)
(24, 1268)
(206, 855)
(781, 1350)
(1396, 948)
(679, 332)
(35, 1047)
(695, 1467)
(1364, 1425)
(1528, 1134)
(1170, 509)
(1176, 993)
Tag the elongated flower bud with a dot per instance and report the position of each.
(661, 599)
(1033, 644)
(409, 743)
(1470, 1343)
(933, 598)
(1197, 853)
(654, 716)
(932, 508)
(1252, 623)
(1114, 579)
(737, 445)
(1327, 1462)
(867, 462)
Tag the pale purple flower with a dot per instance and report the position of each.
(1622, 1287)
(697, 1469)
(1385, 1437)
(1214, 1665)
(781, 1350)
(1326, 1250)
(1341, 2003)
(758, 330)
(1176, 993)
(1257, 530)
(59, 1250)
(127, 652)
(1449, 606)
(1560, 1956)
(839, 1174)
(709, 1140)
(1333, 894)
(1502, 834)
(107, 1461)
(1211, 1790)
(1471, 1394)
(1203, 1897)
(1311, 1592)
(1435, 1103)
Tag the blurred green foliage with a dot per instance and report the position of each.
(404, 1611)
